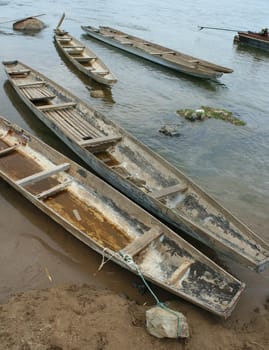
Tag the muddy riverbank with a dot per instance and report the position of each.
(85, 317)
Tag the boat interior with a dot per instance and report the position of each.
(68, 192)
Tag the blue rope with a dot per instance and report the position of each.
(129, 260)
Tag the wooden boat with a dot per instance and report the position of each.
(135, 170)
(259, 40)
(110, 223)
(157, 54)
(84, 59)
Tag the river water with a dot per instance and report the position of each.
(230, 162)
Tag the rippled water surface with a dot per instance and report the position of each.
(230, 162)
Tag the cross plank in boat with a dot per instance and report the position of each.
(179, 272)
(31, 83)
(73, 47)
(142, 242)
(74, 51)
(56, 106)
(158, 194)
(85, 58)
(162, 53)
(53, 190)
(102, 72)
(99, 141)
(42, 174)
(19, 71)
(64, 40)
(8, 150)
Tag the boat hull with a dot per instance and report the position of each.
(259, 42)
(108, 80)
(182, 265)
(241, 244)
(192, 68)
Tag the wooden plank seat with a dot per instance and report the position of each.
(142, 242)
(37, 93)
(125, 42)
(31, 83)
(18, 71)
(74, 51)
(43, 174)
(85, 58)
(162, 53)
(64, 40)
(179, 272)
(57, 106)
(53, 190)
(102, 72)
(100, 142)
(6, 151)
(167, 191)
(73, 47)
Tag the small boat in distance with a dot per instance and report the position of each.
(157, 54)
(135, 170)
(84, 59)
(111, 224)
(259, 40)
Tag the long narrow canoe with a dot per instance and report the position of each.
(110, 223)
(158, 54)
(83, 58)
(259, 40)
(135, 170)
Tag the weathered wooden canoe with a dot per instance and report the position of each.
(135, 170)
(157, 54)
(259, 40)
(110, 223)
(83, 58)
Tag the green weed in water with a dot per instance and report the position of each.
(206, 112)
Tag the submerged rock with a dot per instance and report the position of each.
(30, 24)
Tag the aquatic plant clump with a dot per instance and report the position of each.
(205, 112)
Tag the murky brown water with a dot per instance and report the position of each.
(232, 163)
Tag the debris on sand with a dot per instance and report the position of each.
(205, 112)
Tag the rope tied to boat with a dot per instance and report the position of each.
(104, 260)
(129, 260)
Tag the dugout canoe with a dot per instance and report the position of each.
(156, 53)
(110, 223)
(259, 40)
(84, 59)
(135, 170)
